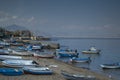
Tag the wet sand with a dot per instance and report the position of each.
(56, 66)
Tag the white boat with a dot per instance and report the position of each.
(110, 66)
(38, 70)
(4, 57)
(43, 55)
(92, 50)
(19, 63)
(21, 52)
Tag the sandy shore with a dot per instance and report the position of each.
(57, 71)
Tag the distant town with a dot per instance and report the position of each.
(20, 34)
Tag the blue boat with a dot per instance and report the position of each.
(38, 70)
(67, 53)
(11, 71)
(74, 59)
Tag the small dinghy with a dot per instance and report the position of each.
(38, 70)
(11, 71)
(110, 66)
(19, 63)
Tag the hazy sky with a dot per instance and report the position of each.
(78, 18)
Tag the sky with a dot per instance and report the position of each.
(68, 18)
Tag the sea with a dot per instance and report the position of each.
(110, 53)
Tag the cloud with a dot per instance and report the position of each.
(6, 17)
(31, 19)
(14, 17)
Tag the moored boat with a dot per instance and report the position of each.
(74, 59)
(92, 50)
(19, 63)
(11, 71)
(110, 66)
(67, 53)
(38, 70)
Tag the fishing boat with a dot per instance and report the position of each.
(72, 76)
(38, 70)
(66, 53)
(74, 59)
(43, 55)
(92, 50)
(19, 63)
(110, 66)
(4, 57)
(11, 71)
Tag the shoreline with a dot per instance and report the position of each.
(56, 66)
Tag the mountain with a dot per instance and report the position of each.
(15, 27)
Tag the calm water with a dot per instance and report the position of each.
(110, 53)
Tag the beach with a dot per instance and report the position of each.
(56, 66)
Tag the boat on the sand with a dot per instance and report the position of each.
(11, 71)
(20, 52)
(38, 70)
(73, 76)
(43, 55)
(19, 63)
(4, 57)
